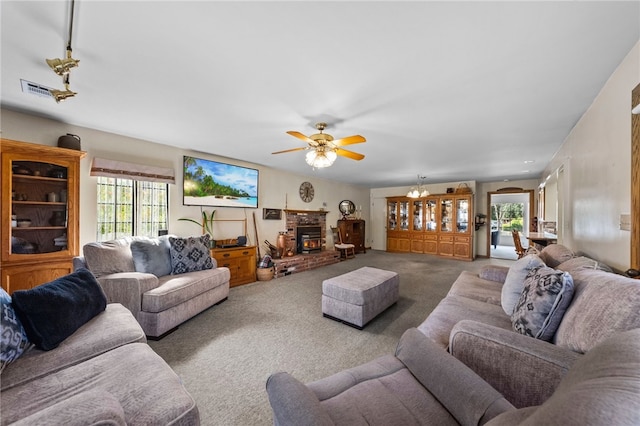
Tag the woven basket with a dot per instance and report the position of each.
(264, 274)
(463, 188)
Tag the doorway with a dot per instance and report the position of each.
(509, 210)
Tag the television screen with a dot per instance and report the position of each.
(211, 183)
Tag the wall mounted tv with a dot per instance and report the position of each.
(215, 184)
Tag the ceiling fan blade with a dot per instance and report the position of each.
(290, 150)
(349, 154)
(301, 136)
(349, 140)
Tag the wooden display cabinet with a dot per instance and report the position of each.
(39, 224)
(398, 237)
(353, 232)
(439, 224)
(241, 262)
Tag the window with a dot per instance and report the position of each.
(131, 207)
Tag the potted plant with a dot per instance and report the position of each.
(206, 224)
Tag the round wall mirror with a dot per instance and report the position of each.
(347, 207)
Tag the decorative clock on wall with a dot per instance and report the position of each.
(306, 192)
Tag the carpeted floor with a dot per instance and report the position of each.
(225, 355)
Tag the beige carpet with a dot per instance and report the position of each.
(225, 355)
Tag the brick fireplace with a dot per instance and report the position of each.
(297, 222)
(301, 221)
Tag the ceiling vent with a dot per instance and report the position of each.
(35, 89)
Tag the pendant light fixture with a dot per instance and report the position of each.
(63, 67)
(418, 191)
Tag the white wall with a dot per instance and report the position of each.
(596, 157)
(274, 185)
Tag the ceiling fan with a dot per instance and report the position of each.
(323, 148)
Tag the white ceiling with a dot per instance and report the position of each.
(449, 90)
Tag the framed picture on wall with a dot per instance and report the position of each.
(271, 214)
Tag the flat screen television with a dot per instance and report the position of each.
(215, 184)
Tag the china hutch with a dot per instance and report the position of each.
(439, 224)
(39, 226)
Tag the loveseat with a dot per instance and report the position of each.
(99, 371)
(473, 322)
(163, 281)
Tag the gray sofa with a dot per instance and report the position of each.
(424, 385)
(104, 373)
(138, 272)
(473, 325)
(491, 373)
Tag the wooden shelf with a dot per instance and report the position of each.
(290, 211)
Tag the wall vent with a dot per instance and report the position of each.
(35, 89)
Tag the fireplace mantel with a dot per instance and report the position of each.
(289, 211)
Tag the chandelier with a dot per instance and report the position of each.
(418, 191)
(320, 157)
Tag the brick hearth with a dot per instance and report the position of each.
(304, 262)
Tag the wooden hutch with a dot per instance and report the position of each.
(439, 224)
(39, 226)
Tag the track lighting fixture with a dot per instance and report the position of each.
(63, 67)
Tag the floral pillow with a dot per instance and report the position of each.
(546, 296)
(13, 338)
(190, 254)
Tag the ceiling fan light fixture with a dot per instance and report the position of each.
(319, 158)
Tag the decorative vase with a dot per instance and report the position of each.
(281, 244)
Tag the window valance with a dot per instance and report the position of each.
(124, 170)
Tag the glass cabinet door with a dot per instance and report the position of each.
(418, 215)
(446, 218)
(462, 215)
(430, 215)
(404, 215)
(392, 212)
(39, 210)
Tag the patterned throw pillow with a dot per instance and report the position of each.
(190, 254)
(13, 339)
(544, 300)
(514, 282)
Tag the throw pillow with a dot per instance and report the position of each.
(554, 254)
(54, 311)
(544, 300)
(109, 257)
(583, 262)
(152, 256)
(190, 254)
(13, 339)
(514, 282)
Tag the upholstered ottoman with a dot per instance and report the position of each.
(357, 297)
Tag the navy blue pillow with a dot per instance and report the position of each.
(54, 311)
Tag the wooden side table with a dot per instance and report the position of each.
(241, 262)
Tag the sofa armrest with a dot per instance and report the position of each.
(523, 369)
(471, 400)
(79, 262)
(293, 403)
(87, 408)
(495, 273)
(127, 288)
